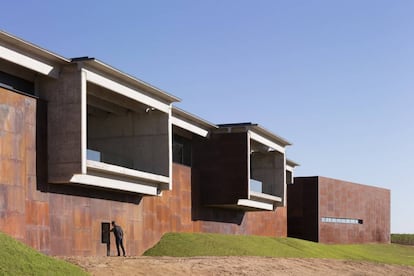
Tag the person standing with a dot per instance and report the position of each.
(119, 237)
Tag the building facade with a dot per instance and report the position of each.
(328, 210)
(83, 144)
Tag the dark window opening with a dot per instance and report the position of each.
(181, 149)
(288, 177)
(16, 83)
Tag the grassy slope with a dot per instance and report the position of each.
(19, 259)
(186, 244)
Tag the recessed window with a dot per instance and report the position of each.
(16, 83)
(342, 220)
(181, 148)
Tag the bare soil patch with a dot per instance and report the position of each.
(232, 266)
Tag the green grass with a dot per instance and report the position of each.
(19, 259)
(187, 245)
(407, 239)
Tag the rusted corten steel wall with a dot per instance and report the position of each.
(24, 210)
(18, 168)
(348, 200)
(342, 200)
(60, 219)
(76, 216)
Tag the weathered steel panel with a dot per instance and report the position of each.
(341, 199)
(221, 163)
(66, 219)
(314, 198)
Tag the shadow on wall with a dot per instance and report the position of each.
(66, 189)
(200, 212)
(217, 215)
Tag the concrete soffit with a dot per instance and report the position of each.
(267, 142)
(291, 165)
(126, 91)
(271, 136)
(30, 56)
(107, 72)
(191, 122)
(257, 133)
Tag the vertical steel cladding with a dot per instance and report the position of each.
(60, 219)
(335, 211)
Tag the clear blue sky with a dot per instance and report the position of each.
(336, 78)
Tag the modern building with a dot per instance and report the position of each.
(328, 210)
(83, 144)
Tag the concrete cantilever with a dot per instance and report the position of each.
(255, 204)
(104, 175)
(117, 170)
(105, 182)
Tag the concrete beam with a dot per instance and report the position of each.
(106, 106)
(94, 111)
(28, 62)
(265, 141)
(125, 91)
(190, 127)
(289, 168)
(124, 102)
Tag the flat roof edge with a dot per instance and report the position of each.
(260, 130)
(28, 46)
(187, 115)
(292, 163)
(102, 66)
(341, 180)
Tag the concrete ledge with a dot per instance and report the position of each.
(104, 182)
(264, 197)
(121, 171)
(190, 127)
(255, 204)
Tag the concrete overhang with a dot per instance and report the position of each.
(252, 205)
(290, 164)
(268, 134)
(30, 56)
(119, 178)
(257, 202)
(262, 136)
(115, 184)
(119, 76)
(241, 127)
(261, 201)
(191, 122)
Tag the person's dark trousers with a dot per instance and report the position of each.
(119, 242)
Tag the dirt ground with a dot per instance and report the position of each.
(232, 266)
